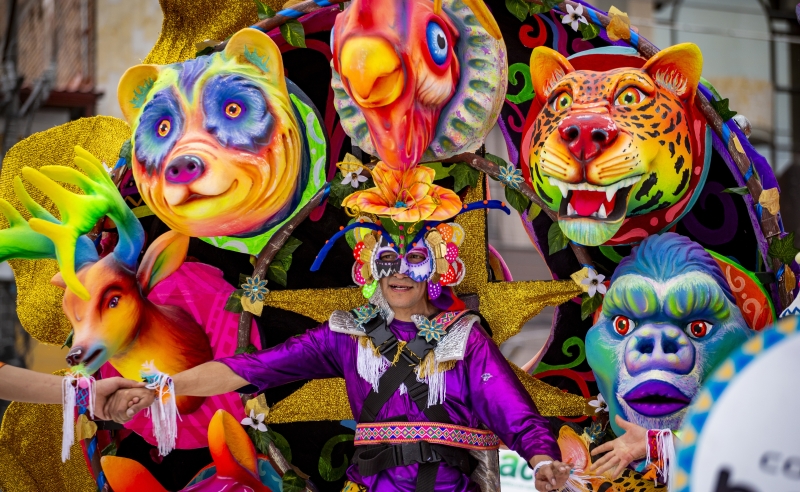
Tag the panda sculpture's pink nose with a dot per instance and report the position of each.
(184, 169)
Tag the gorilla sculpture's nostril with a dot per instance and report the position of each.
(669, 345)
(646, 345)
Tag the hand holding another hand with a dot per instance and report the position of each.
(115, 396)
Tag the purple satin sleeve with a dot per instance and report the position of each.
(312, 355)
(502, 403)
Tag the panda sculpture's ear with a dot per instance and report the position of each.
(677, 69)
(548, 67)
(253, 47)
(133, 88)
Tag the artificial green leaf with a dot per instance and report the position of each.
(205, 51)
(250, 349)
(110, 450)
(260, 440)
(739, 190)
(441, 171)
(292, 482)
(294, 34)
(464, 176)
(277, 273)
(68, 341)
(242, 279)
(783, 249)
(588, 31)
(556, 240)
(590, 304)
(125, 151)
(496, 159)
(341, 191)
(518, 8)
(721, 107)
(326, 469)
(282, 444)
(264, 10)
(234, 303)
(288, 248)
(533, 211)
(543, 8)
(517, 200)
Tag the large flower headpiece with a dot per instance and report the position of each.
(425, 250)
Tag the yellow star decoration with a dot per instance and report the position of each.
(506, 306)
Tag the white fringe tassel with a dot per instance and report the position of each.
(370, 366)
(69, 396)
(437, 386)
(576, 483)
(666, 455)
(163, 411)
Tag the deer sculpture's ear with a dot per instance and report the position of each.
(126, 475)
(58, 281)
(162, 258)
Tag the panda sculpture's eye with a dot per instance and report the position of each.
(163, 127)
(699, 328)
(233, 110)
(623, 325)
(437, 42)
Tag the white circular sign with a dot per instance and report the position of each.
(740, 434)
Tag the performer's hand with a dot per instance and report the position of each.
(552, 476)
(629, 447)
(119, 407)
(105, 388)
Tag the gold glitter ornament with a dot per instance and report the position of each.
(39, 302)
(188, 22)
(551, 401)
(321, 399)
(30, 452)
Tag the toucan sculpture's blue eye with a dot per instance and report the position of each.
(437, 43)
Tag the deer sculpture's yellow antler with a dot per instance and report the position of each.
(80, 213)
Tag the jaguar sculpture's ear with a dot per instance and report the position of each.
(677, 69)
(548, 67)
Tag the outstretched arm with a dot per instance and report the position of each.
(23, 385)
(208, 379)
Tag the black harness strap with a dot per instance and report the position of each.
(373, 459)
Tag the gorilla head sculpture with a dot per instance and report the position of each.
(667, 320)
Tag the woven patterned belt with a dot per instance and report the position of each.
(447, 434)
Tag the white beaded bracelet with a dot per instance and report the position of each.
(539, 465)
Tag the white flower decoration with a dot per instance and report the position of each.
(599, 404)
(255, 421)
(595, 282)
(574, 17)
(354, 178)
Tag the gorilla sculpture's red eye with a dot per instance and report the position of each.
(698, 329)
(623, 325)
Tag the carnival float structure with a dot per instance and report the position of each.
(267, 147)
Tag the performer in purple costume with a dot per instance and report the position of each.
(442, 401)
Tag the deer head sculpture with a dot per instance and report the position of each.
(105, 299)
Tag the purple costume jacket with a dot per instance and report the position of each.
(481, 389)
